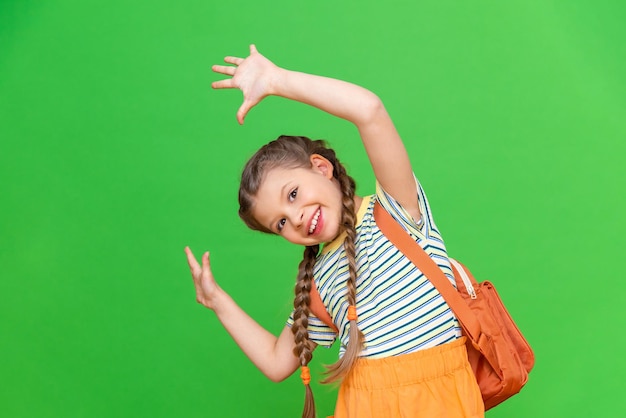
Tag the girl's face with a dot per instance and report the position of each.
(303, 205)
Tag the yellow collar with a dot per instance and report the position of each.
(334, 244)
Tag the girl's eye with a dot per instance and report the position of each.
(281, 224)
(293, 194)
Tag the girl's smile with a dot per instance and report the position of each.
(316, 223)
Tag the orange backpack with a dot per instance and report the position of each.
(500, 356)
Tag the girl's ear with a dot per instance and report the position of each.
(322, 165)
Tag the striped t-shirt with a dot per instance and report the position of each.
(399, 310)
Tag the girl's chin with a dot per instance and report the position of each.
(336, 234)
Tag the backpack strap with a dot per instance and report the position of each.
(414, 252)
(317, 308)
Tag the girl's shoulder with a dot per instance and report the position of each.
(401, 215)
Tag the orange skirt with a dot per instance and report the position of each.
(433, 383)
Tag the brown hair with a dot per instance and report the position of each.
(295, 152)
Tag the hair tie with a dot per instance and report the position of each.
(352, 313)
(305, 375)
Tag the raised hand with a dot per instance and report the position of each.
(253, 76)
(206, 287)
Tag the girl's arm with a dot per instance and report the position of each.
(257, 77)
(273, 356)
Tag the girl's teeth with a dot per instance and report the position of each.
(314, 222)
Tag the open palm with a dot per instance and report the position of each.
(252, 75)
(206, 287)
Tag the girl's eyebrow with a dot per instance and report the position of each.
(271, 226)
(272, 221)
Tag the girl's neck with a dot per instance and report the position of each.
(357, 202)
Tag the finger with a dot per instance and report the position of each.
(206, 265)
(243, 111)
(206, 262)
(224, 84)
(253, 49)
(224, 69)
(191, 260)
(233, 60)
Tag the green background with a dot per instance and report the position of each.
(115, 153)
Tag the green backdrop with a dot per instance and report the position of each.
(115, 153)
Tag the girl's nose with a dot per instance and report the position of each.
(298, 219)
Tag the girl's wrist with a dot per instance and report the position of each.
(277, 82)
(219, 300)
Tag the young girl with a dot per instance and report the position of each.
(402, 353)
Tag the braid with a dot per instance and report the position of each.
(304, 347)
(341, 368)
(294, 152)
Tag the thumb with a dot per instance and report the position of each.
(206, 264)
(243, 111)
